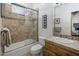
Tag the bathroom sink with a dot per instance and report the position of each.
(67, 41)
(64, 40)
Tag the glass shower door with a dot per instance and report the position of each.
(31, 19)
(23, 29)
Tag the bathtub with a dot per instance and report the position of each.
(20, 48)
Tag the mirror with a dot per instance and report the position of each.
(66, 22)
(75, 23)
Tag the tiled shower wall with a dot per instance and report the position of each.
(22, 29)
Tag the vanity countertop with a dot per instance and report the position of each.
(66, 42)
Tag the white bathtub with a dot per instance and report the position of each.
(20, 48)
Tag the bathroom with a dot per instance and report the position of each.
(40, 29)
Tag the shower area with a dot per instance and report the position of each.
(22, 24)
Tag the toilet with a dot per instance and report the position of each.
(37, 48)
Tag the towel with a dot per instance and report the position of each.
(8, 35)
(5, 39)
(2, 42)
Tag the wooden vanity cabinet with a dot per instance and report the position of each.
(54, 49)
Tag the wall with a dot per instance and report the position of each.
(64, 12)
(45, 8)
